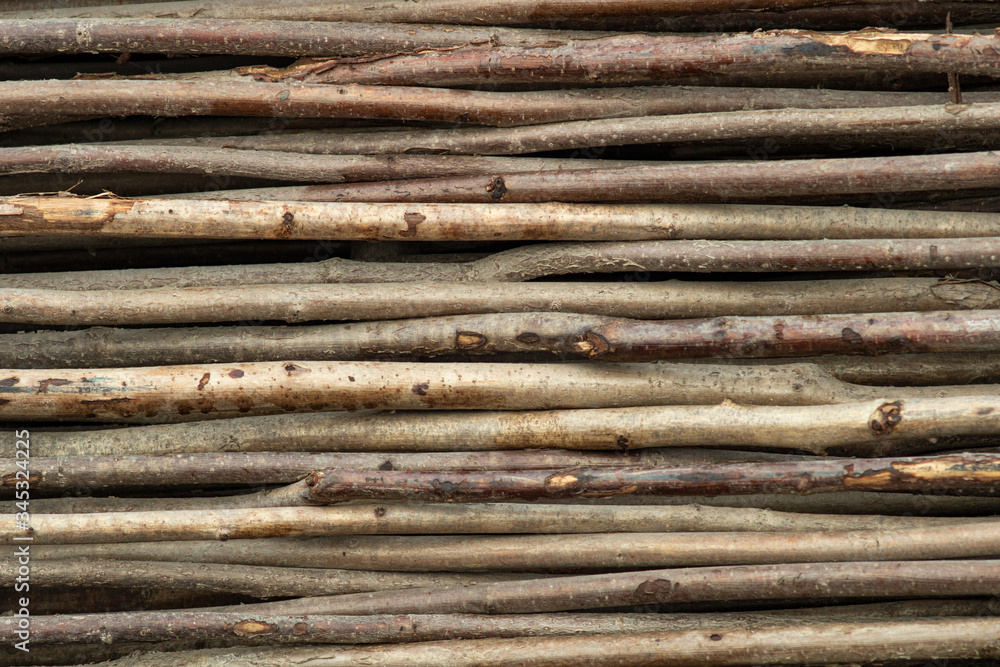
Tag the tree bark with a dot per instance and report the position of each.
(164, 536)
(224, 163)
(289, 100)
(822, 580)
(285, 220)
(912, 370)
(773, 56)
(435, 11)
(964, 474)
(172, 393)
(565, 335)
(239, 36)
(870, 127)
(93, 294)
(708, 182)
(257, 468)
(937, 639)
(813, 429)
(898, 15)
(302, 521)
(235, 629)
(255, 581)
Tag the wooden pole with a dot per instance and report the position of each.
(182, 393)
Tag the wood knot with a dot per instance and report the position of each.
(469, 340)
(592, 344)
(886, 418)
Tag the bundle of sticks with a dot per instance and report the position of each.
(535, 332)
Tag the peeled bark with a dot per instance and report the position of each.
(285, 220)
(822, 580)
(255, 581)
(871, 127)
(172, 393)
(812, 429)
(773, 56)
(707, 182)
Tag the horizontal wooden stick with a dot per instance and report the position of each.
(936, 639)
(223, 163)
(965, 474)
(235, 468)
(301, 521)
(171, 393)
(673, 299)
(798, 581)
(567, 335)
(236, 629)
(870, 126)
(239, 36)
(707, 182)
(255, 581)
(356, 538)
(649, 58)
(433, 11)
(500, 518)
(171, 98)
(208, 219)
(841, 424)
(897, 14)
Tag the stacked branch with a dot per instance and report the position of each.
(392, 290)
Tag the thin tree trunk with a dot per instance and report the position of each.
(302, 521)
(617, 60)
(498, 518)
(936, 639)
(849, 502)
(250, 468)
(725, 182)
(235, 629)
(897, 14)
(283, 220)
(255, 581)
(169, 98)
(207, 36)
(172, 393)
(798, 581)
(840, 425)
(147, 293)
(446, 11)
(963, 474)
(566, 335)
(223, 163)
(871, 127)
(161, 537)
